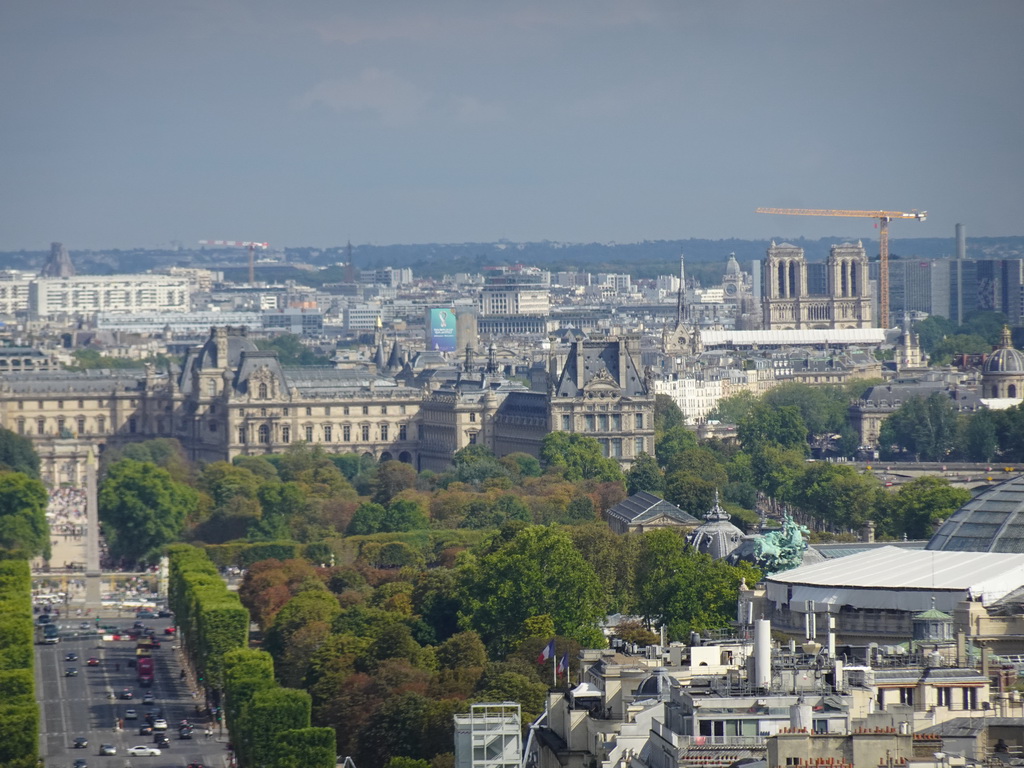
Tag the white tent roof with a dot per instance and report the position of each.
(867, 336)
(900, 579)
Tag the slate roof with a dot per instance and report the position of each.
(644, 506)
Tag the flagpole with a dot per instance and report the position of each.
(554, 666)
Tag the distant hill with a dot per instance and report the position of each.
(641, 260)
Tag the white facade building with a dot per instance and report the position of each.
(695, 397)
(14, 289)
(90, 294)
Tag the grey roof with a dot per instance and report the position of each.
(590, 362)
(847, 548)
(644, 506)
(72, 382)
(969, 727)
(993, 521)
(716, 536)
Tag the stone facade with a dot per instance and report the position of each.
(788, 303)
(231, 399)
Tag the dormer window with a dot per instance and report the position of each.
(263, 391)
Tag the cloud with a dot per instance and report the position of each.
(392, 98)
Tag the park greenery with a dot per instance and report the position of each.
(19, 715)
(390, 599)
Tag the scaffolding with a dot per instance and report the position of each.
(490, 736)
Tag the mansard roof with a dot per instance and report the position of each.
(598, 363)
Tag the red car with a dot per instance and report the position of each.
(92, 662)
(169, 630)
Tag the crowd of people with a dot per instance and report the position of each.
(66, 511)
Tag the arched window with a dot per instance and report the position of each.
(263, 392)
(1011, 391)
(263, 435)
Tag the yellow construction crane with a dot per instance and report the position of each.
(883, 242)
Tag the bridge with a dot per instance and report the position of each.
(960, 474)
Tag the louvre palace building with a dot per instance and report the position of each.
(228, 399)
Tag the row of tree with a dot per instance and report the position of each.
(19, 714)
(270, 725)
(210, 617)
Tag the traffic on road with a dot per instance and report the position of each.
(113, 693)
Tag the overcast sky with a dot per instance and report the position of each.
(135, 123)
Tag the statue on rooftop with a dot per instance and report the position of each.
(783, 549)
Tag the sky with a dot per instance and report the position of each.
(137, 123)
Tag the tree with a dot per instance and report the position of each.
(534, 572)
(579, 457)
(24, 531)
(919, 507)
(672, 443)
(823, 409)
(932, 330)
(17, 454)
(958, 344)
(768, 425)
(667, 414)
(393, 477)
(924, 428)
(836, 493)
(644, 475)
(690, 492)
(311, 606)
(682, 589)
(979, 441)
(734, 408)
(291, 351)
(142, 508)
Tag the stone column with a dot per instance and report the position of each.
(93, 592)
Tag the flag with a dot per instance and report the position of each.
(547, 653)
(563, 664)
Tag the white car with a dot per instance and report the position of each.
(143, 751)
(159, 724)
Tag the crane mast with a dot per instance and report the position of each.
(883, 217)
(252, 245)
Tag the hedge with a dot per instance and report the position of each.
(19, 713)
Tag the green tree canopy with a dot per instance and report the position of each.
(923, 428)
(579, 457)
(142, 508)
(769, 425)
(645, 475)
(667, 415)
(24, 531)
(920, 506)
(17, 454)
(534, 571)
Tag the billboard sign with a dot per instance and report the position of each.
(442, 330)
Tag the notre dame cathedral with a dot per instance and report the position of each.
(793, 301)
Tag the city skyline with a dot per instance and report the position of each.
(314, 123)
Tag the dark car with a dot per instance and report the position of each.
(161, 741)
(145, 730)
(185, 732)
(71, 657)
(71, 672)
(127, 694)
(195, 765)
(145, 615)
(81, 743)
(164, 614)
(80, 763)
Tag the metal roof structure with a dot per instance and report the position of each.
(900, 579)
(993, 521)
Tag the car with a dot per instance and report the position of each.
(138, 625)
(80, 763)
(71, 672)
(165, 614)
(127, 694)
(148, 698)
(159, 724)
(131, 714)
(143, 751)
(185, 732)
(92, 662)
(81, 743)
(146, 615)
(44, 618)
(169, 630)
(108, 749)
(146, 730)
(71, 657)
(84, 625)
(161, 741)
(195, 765)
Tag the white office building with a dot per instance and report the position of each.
(88, 295)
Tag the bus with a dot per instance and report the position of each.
(47, 634)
